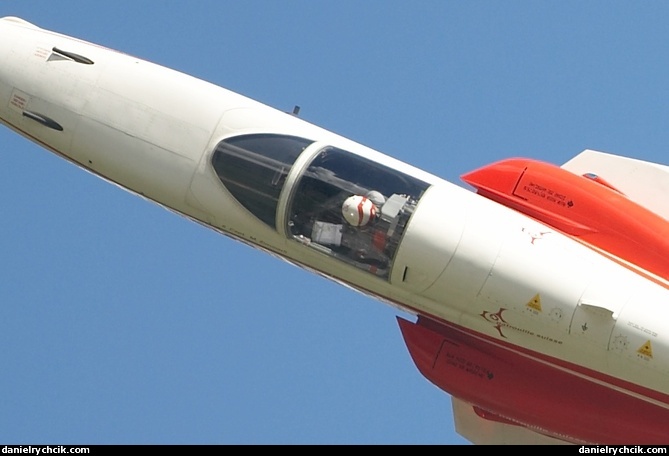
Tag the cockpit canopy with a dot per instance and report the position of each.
(254, 168)
(342, 204)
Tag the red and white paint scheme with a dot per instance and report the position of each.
(541, 299)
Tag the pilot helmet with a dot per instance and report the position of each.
(358, 210)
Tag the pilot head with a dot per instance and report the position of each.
(358, 210)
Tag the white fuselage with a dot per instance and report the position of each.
(461, 259)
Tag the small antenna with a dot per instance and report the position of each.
(296, 110)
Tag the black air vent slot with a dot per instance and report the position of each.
(72, 56)
(44, 120)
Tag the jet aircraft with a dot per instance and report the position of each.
(539, 298)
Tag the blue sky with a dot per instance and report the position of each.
(123, 323)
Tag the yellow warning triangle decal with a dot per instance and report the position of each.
(646, 350)
(535, 303)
